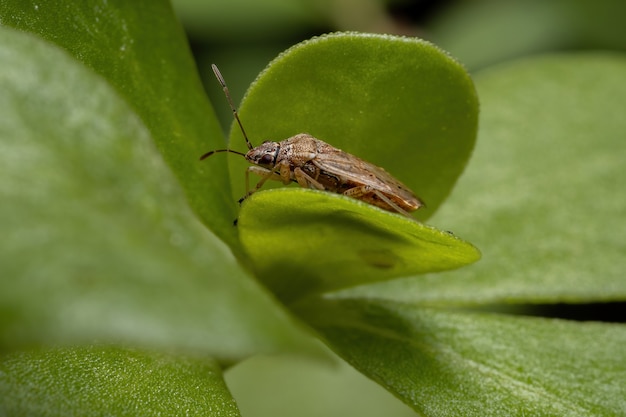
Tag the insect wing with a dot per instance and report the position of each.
(360, 172)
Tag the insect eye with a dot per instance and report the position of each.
(266, 159)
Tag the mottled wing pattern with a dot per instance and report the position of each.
(360, 172)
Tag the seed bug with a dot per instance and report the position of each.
(313, 163)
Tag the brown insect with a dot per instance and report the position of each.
(313, 163)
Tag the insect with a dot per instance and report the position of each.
(313, 163)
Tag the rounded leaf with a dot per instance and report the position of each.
(330, 241)
(544, 194)
(399, 103)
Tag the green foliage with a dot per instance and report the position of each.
(543, 199)
(543, 196)
(399, 103)
(363, 94)
(98, 242)
(95, 381)
(339, 243)
(446, 363)
(103, 120)
(140, 50)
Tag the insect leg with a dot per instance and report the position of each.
(305, 180)
(265, 173)
(364, 190)
(392, 204)
(284, 168)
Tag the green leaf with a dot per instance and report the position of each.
(399, 103)
(97, 240)
(142, 52)
(332, 242)
(543, 197)
(445, 363)
(98, 381)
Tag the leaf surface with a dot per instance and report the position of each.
(447, 363)
(98, 242)
(140, 49)
(331, 242)
(399, 103)
(543, 196)
(94, 381)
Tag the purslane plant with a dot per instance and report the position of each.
(109, 281)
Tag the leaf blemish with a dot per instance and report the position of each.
(379, 258)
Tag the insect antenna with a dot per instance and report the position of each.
(206, 155)
(220, 79)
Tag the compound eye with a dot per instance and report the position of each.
(266, 159)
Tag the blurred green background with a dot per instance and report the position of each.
(242, 36)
